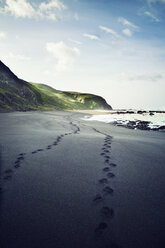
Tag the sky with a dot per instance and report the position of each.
(112, 48)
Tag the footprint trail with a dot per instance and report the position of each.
(106, 213)
(8, 173)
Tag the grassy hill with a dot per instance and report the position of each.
(17, 94)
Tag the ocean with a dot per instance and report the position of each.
(134, 119)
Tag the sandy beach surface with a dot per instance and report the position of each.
(69, 183)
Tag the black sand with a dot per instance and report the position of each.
(67, 183)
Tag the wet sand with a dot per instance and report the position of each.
(69, 183)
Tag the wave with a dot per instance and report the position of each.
(133, 119)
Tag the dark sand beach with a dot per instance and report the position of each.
(69, 183)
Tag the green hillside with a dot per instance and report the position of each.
(69, 100)
(16, 94)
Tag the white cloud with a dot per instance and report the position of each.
(152, 78)
(19, 57)
(2, 35)
(125, 22)
(76, 16)
(108, 30)
(19, 8)
(91, 36)
(49, 9)
(46, 72)
(152, 16)
(127, 32)
(155, 1)
(23, 9)
(132, 76)
(53, 4)
(76, 42)
(64, 54)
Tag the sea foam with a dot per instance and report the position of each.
(146, 120)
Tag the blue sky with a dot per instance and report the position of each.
(113, 48)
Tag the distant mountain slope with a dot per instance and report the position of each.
(17, 94)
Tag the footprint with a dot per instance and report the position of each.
(1, 190)
(106, 169)
(20, 158)
(49, 147)
(40, 150)
(17, 163)
(107, 142)
(106, 151)
(34, 152)
(113, 245)
(17, 166)
(107, 212)
(8, 177)
(102, 226)
(108, 157)
(106, 161)
(103, 181)
(108, 190)
(8, 171)
(102, 154)
(97, 198)
(22, 154)
(107, 146)
(113, 165)
(110, 175)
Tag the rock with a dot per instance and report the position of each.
(141, 112)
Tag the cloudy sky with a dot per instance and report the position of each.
(113, 48)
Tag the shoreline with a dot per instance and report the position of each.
(118, 118)
(140, 120)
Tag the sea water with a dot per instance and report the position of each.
(150, 120)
